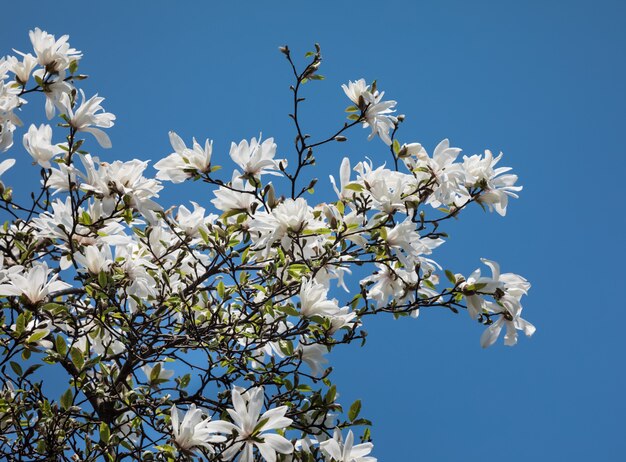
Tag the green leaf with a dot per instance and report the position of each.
(396, 147)
(450, 277)
(55, 308)
(16, 368)
(67, 398)
(355, 187)
(221, 289)
(353, 413)
(32, 369)
(73, 66)
(286, 347)
(354, 117)
(105, 433)
(352, 109)
(61, 345)
(20, 324)
(330, 395)
(103, 279)
(37, 336)
(86, 218)
(155, 373)
(184, 380)
(77, 358)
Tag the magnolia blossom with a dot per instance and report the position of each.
(184, 162)
(409, 244)
(377, 112)
(5, 165)
(448, 174)
(53, 54)
(239, 195)
(388, 189)
(480, 172)
(87, 117)
(256, 158)
(314, 301)
(313, 356)
(94, 259)
(37, 331)
(338, 451)
(38, 143)
(62, 178)
(252, 427)
(22, 69)
(192, 222)
(6, 134)
(291, 216)
(507, 290)
(56, 90)
(195, 429)
(344, 178)
(35, 283)
(118, 180)
(161, 373)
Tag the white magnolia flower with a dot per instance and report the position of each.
(238, 195)
(256, 158)
(23, 69)
(344, 179)
(338, 451)
(413, 155)
(449, 175)
(291, 216)
(62, 178)
(511, 321)
(38, 331)
(87, 117)
(6, 134)
(38, 143)
(507, 290)
(314, 301)
(397, 284)
(55, 55)
(113, 181)
(162, 374)
(252, 427)
(313, 356)
(34, 283)
(480, 172)
(409, 245)
(389, 189)
(5, 165)
(377, 112)
(94, 259)
(195, 429)
(55, 91)
(184, 162)
(192, 222)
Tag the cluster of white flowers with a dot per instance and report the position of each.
(249, 285)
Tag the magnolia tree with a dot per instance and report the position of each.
(182, 334)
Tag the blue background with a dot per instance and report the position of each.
(541, 81)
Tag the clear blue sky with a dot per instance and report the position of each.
(542, 81)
